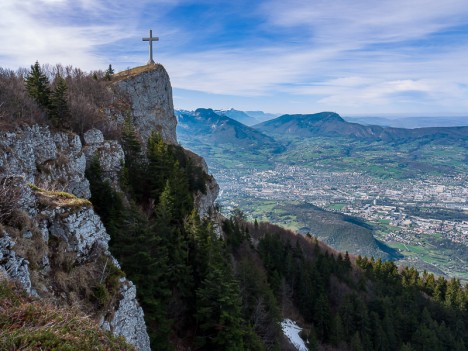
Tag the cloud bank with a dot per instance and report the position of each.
(356, 57)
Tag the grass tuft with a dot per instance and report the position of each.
(30, 324)
(59, 198)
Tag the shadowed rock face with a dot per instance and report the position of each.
(150, 93)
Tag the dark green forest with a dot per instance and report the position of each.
(205, 292)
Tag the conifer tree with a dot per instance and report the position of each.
(59, 112)
(109, 72)
(37, 85)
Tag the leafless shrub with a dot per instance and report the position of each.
(15, 103)
(19, 219)
(90, 99)
(10, 195)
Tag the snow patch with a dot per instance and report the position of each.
(292, 330)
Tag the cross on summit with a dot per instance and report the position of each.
(151, 39)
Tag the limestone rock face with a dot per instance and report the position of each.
(54, 242)
(205, 202)
(81, 229)
(83, 233)
(129, 310)
(109, 153)
(12, 265)
(93, 136)
(150, 93)
(49, 160)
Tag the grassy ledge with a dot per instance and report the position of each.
(59, 198)
(30, 324)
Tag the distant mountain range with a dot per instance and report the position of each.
(239, 116)
(216, 128)
(322, 141)
(411, 122)
(330, 124)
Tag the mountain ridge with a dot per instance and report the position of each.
(221, 129)
(331, 124)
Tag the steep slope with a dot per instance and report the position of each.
(32, 324)
(330, 124)
(52, 241)
(149, 91)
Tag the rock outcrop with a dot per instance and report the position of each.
(109, 153)
(129, 310)
(204, 202)
(52, 242)
(150, 93)
(49, 160)
(12, 265)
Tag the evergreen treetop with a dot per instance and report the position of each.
(37, 85)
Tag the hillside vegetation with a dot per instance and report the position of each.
(30, 324)
(205, 292)
(63, 97)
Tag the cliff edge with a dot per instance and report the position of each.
(149, 91)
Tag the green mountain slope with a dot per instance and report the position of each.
(222, 138)
(330, 124)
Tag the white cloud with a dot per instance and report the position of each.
(364, 21)
(328, 53)
(64, 31)
(354, 55)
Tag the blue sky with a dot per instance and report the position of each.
(356, 57)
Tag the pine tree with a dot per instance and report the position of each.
(59, 112)
(109, 72)
(37, 85)
(218, 312)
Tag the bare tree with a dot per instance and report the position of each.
(10, 196)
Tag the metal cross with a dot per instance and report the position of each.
(151, 39)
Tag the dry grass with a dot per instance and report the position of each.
(33, 249)
(134, 72)
(92, 285)
(10, 194)
(58, 198)
(20, 219)
(29, 324)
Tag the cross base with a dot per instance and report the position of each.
(150, 39)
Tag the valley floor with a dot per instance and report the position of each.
(426, 220)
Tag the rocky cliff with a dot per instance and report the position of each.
(149, 91)
(51, 239)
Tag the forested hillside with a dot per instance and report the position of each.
(230, 292)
